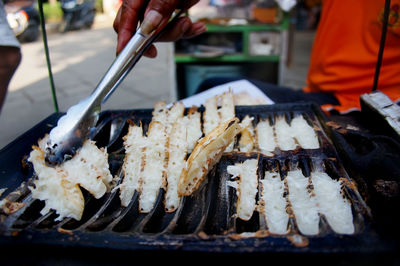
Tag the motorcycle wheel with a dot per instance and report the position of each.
(89, 19)
(89, 24)
(65, 25)
(31, 34)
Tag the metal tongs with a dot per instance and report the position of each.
(78, 124)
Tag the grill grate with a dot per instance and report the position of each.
(204, 221)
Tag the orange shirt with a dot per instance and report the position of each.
(345, 51)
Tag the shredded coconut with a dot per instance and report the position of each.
(275, 203)
(336, 209)
(304, 206)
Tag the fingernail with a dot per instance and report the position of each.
(151, 21)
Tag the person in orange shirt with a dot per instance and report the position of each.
(345, 52)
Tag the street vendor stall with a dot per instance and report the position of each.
(226, 173)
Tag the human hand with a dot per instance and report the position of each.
(156, 13)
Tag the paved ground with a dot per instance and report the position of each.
(80, 58)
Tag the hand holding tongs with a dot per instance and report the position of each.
(77, 125)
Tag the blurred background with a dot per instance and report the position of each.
(245, 38)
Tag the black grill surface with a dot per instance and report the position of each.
(205, 221)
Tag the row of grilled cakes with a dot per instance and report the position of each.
(306, 197)
(175, 154)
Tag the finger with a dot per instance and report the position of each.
(116, 20)
(196, 29)
(157, 14)
(177, 31)
(129, 17)
(187, 4)
(151, 52)
(183, 28)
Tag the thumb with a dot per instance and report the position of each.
(157, 13)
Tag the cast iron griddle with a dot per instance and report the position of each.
(204, 221)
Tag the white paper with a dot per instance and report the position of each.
(286, 5)
(235, 86)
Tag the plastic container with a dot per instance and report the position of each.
(196, 74)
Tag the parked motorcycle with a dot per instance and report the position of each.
(23, 19)
(77, 14)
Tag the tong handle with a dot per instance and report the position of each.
(126, 60)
